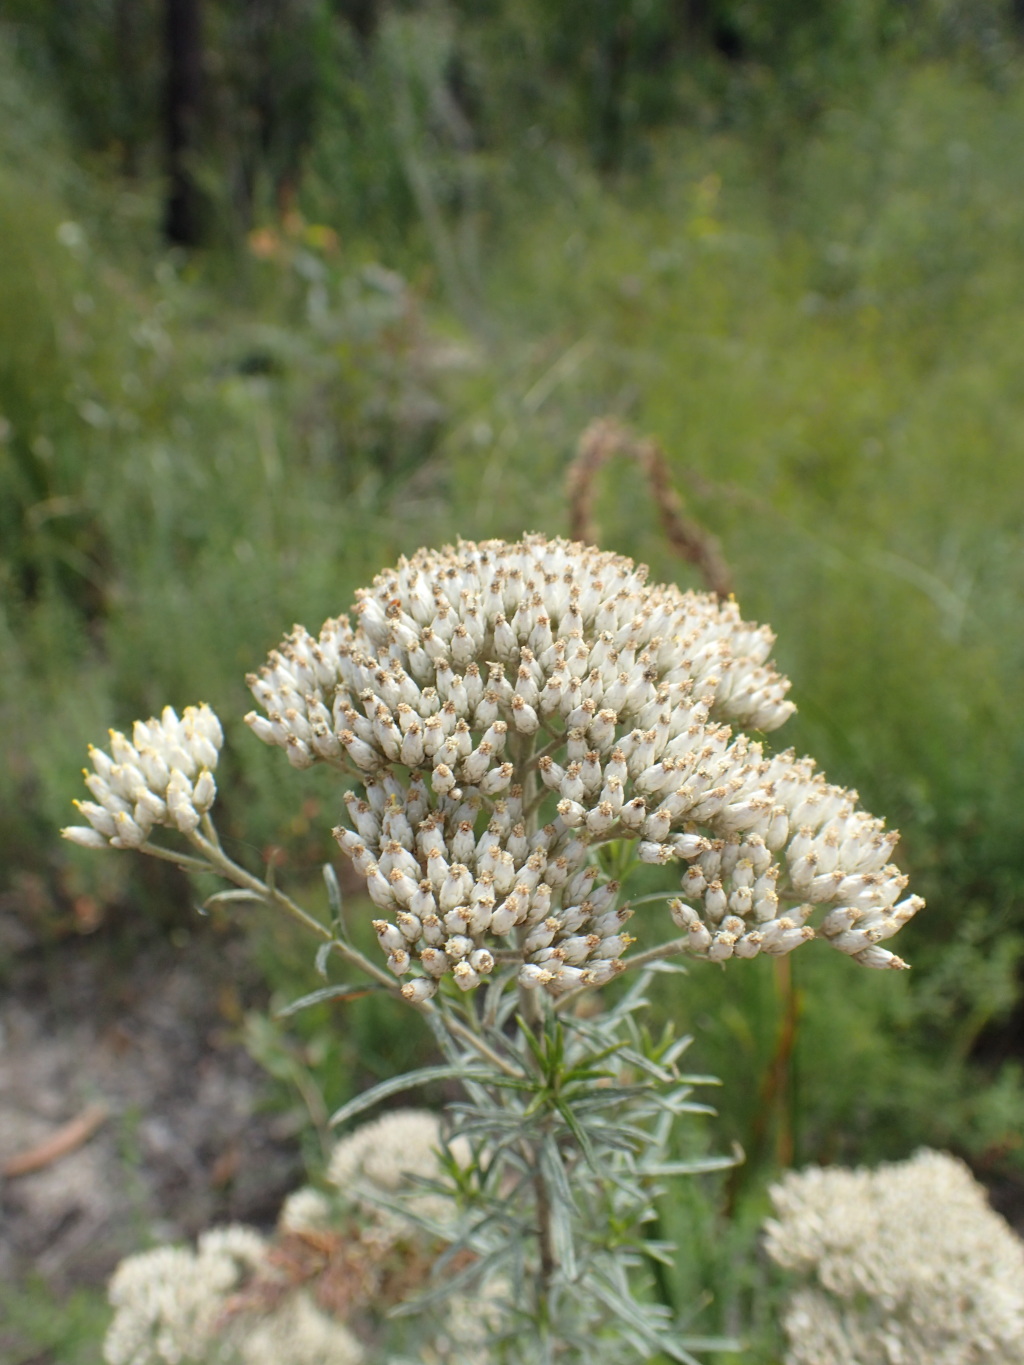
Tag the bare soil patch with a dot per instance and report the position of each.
(149, 1030)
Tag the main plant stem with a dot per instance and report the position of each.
(531, 1008)
(532, 1014)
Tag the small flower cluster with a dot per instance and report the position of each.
(390, 1155)
(506, 707)
(239, 1297)
(173, 1305)
(905, 1263)
(163, 776)
(168, 1303)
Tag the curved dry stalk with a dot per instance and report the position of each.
(601, 441)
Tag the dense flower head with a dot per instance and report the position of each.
(906, 1263)
(507, 707)
(174, 1305)
(163, 775)
(300, 1296)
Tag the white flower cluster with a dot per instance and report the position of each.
(903, 1265)
(163, 776)
(391, 1155)
(172, 1307)
(167, 1300)
(492, 688)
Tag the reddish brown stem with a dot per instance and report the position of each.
(606, 438)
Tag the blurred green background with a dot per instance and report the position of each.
(289, 287)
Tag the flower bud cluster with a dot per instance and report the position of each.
(163, 776)
(479, 891)
(801, 843)
(488, 689)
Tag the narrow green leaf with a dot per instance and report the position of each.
(574, 1126)
(563, 1242)
(698, 1166)
(325, 993)
(333, 891)
(452, 1283)
(226, 897)
(554, 1171)
(532, 1043)
(397, 1084)
(630, 1313)
(711, 1343)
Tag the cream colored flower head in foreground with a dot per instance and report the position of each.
(506, 707)
(903, 1265)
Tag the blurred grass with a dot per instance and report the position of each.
(821, 330)
(39, 1325)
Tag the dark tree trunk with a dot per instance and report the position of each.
(363, 16)
(183, 36)
(132, 95)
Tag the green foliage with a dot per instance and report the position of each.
(823, 352)
(817, 318)
(39, 1325)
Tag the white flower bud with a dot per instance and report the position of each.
(542, 936)
(504, 874)
(655, 853)
(599, 972)
(458, 946)
(389, 936)
(579, 887)
(633, 813)
(841, 919)
(748, 946)
(539, 905)
(419, 990)
(715, 902)
(531, 976)
(852, 941)
(524, 717)
(700, 938)
(455, 888)
(465, 977)
(434, 931)
(781, 941)
(601, 819)
(572, 813)
(684, 916)
(204, 793)
(565, 978)
(179, 803)
(456, 921)
(880, 958)
(359, 751)
(612, 921)
(497, 780)
(613, 946)
(409, 925)
(84, 836)
(721, 947)
(379, 888)
(434, 961)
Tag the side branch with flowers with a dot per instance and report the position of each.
(501, 715)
